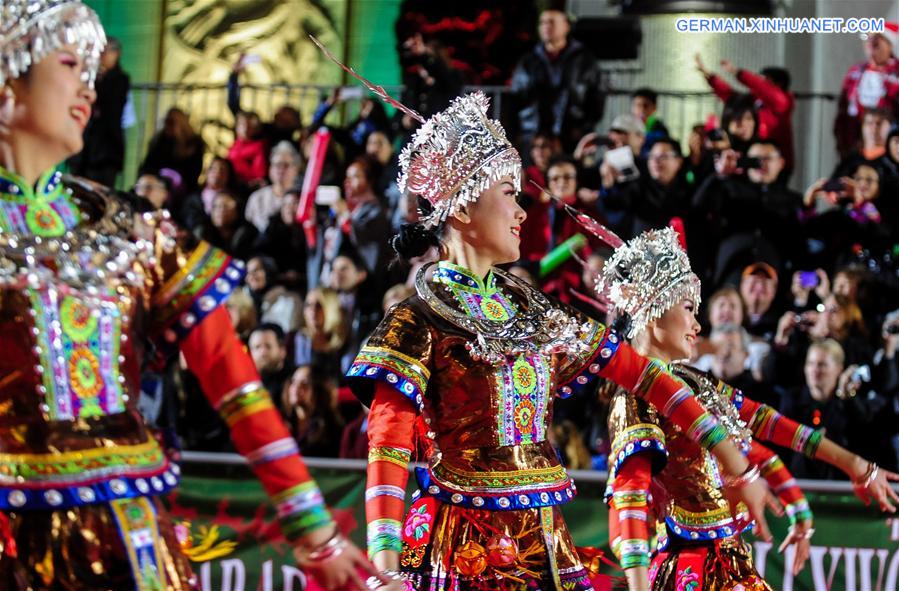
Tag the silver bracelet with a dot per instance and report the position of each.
(749, 476)
(869, 476)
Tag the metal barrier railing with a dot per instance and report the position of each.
(207, 107)
(579, 476)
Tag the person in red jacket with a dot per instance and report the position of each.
(872, 84)
(248, 152)
(774, 101)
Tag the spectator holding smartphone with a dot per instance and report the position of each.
(843, 212)
(651, 200)
(840, 320)
(773, 101)
(806, 283)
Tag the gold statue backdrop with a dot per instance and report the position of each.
(202, 40)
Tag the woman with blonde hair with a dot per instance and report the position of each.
(323, 335)
(243, 313)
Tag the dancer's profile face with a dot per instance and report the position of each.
(675, 331)
(53, 104)
(494, 226)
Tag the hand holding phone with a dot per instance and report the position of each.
(327, 195)
(809, 279)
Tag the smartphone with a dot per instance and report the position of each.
(327, 195)
(862, 374)
(808, 279)
(834, 186)
(349, 93)
(622, 160)
(715, 135)
(747, 162)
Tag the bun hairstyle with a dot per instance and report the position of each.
(622, 324)
(414, 240)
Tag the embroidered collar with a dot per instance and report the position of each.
(459, 277)
(14, 188)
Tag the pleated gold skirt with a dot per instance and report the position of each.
(82, 548)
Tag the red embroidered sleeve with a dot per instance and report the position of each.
(629, 512)
(769, 425)
(781, 482)
(230, 381)
(390, 440)
(651, 381)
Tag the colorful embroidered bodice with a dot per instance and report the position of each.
(487, 422)
(77, 276)
(686, 491)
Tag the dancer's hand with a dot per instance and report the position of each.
(801, 535)
(756, 496)
(871, 482)
(340, 572)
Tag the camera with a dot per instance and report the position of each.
(892, 329)
(747, 162)
(803, 321)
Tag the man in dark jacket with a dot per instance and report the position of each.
(651, 200)
(103, 155)
(744, 218)
(557, 86)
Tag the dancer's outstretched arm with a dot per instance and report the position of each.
(869, 480)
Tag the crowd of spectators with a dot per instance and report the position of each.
(799, 289)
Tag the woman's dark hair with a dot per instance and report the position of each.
(734, 109)
(270, 267)
(622, 324)
(413, 240)
(370, 168)
(779, 76)
(229, 169)
(378, 115)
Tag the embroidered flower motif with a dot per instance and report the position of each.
(524, 376)
(84, 373)
(687, 580)
(43, 220)
(493, 310)
(418, 524)
(78, 321)
(524, 416)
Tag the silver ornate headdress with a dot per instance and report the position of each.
(32, 29)
(647, 275)
(456, 155)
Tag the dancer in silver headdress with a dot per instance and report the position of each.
(467, 369)
(650, 283)
(85, 286)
